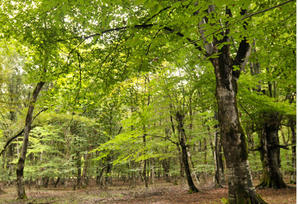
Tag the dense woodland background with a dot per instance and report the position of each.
(128, 92)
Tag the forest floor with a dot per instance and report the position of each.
(159, 193)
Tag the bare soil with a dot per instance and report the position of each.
(159, 193)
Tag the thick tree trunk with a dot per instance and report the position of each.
(270, 152)
(241, 189)
(182, 142)
(22, 157)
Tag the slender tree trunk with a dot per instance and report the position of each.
(293, 130)
(145, 173)
(108, 178)
(270, 152)
(145, 161)
(22, 157)
(219, 167)
(57, 182)
(182, 142)
(85, 169)
(45, 181)
(166, 169)
(205, 151)
(166, 162)
(79, 170)
(152, 171)
(99, 173)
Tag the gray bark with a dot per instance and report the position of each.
(270, 152)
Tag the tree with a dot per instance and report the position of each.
(272, 74)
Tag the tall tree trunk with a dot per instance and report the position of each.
(22, 158)
(166, 162)
(292, 124)
(146, 160)
(219, 167)
(182, 142)
(205, 150)
(85, 168)
(79, 170)
(99, 173)
(181, 164)
(166, 169)
(241, 189)
(152, 171)
(57, 182)
(108, 178)
(270, 152)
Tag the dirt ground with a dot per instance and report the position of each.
(160, 193)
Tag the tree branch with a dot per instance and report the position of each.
(265, 10)
(19, 133)
(242, 52)
(167, 138)
(149, 19)
(193, 42)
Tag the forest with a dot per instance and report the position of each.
(148, 101)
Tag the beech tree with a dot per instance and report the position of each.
(82, 52)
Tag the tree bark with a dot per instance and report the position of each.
(99, 173)
(85, 169)
(166, 162)
(108, 177)
(166, 169)
(79, 170)
(22, 158)
(292, 123)
(182, 142)
(219, 167)
(241, 189)
(270, 152)
(57, 182)
(145, 161)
